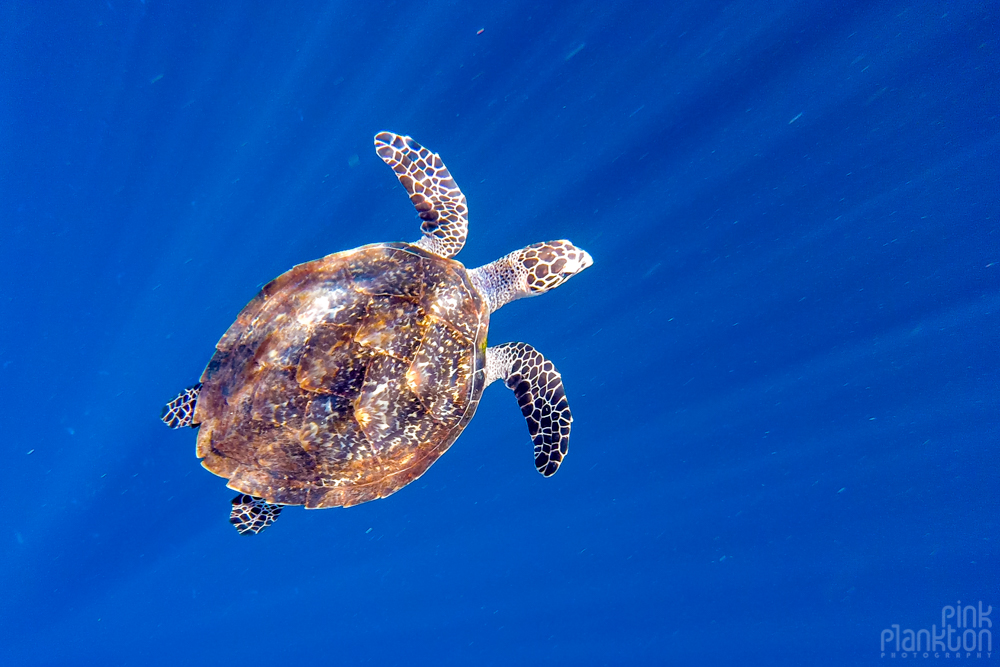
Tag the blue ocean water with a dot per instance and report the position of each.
(783, 365)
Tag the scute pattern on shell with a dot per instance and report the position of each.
(345, 378)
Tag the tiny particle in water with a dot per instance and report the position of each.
(481, 31)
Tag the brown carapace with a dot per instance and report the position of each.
(345, 378)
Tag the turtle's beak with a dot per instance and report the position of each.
(577, 259)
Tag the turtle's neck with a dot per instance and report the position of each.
(498, 282)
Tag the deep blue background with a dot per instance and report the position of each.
(783, 365)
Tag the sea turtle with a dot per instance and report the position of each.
(346, 377)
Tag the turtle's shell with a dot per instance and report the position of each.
(345, 378)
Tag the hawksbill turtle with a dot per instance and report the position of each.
(346, 377)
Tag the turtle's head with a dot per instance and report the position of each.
(529, 272)
(550, 264)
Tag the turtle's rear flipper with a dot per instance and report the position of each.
(180, 411)
(252, 514)
(539, 390)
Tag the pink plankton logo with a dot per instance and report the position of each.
(965, 632)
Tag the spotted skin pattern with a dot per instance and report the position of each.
(529, 272)
(250, 514)
(439, 202)
(539, 390)
(180, 411)
(550, 264)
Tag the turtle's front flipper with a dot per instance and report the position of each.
(539, 390)
(180, 411)
(252, 514)
(439, 202)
